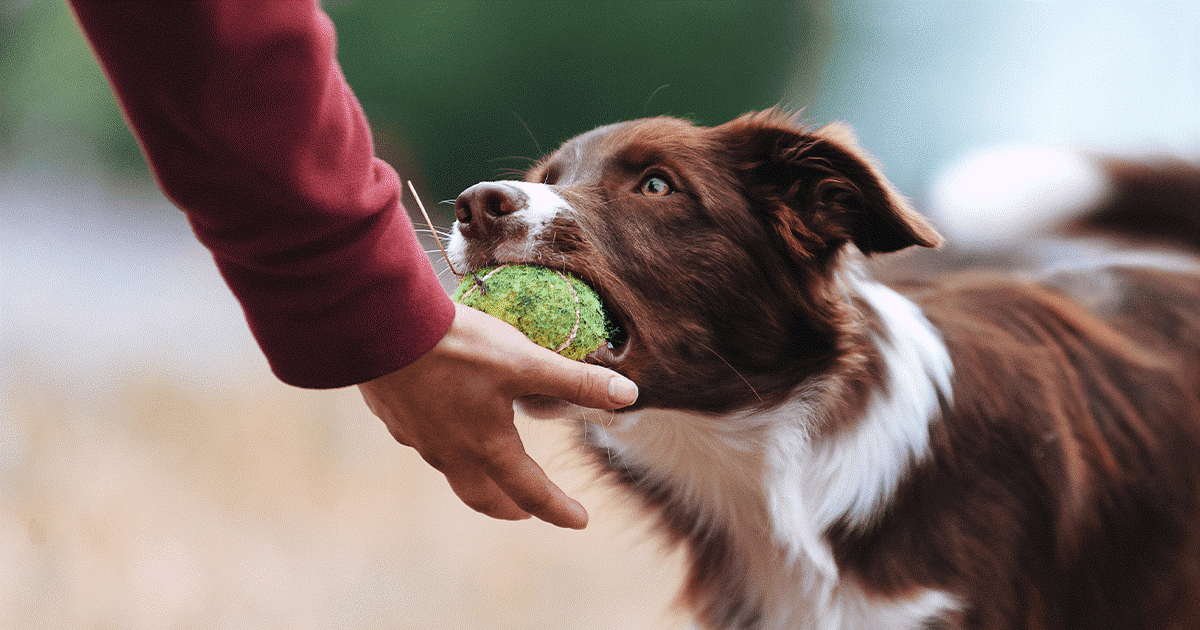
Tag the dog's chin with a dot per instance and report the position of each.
(541, 407)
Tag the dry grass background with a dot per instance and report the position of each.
(154, 476)
(154, 505)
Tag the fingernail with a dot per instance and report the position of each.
(622, 391)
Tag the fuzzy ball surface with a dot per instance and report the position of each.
(554, 309)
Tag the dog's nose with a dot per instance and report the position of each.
(481, 206)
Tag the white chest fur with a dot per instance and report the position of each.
(775, 486)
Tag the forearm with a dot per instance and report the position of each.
(250, 128)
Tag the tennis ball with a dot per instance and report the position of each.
(554, 309)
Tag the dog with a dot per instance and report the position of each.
(979, 450)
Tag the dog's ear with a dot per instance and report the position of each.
(881, 219)
(819, 188)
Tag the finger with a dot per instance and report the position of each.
(526, 484)
(549, 374)
(585, 385)
(480, 493)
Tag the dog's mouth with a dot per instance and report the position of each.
(615, 350)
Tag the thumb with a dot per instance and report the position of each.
(580, 383)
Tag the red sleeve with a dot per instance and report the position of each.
(251, 129)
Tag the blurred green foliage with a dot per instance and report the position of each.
(470, 86)
(462, 91)
(55, 105)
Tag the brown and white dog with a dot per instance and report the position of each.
(975, 451)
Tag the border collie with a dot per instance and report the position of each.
(980, 450)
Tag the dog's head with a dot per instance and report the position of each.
(714, 248)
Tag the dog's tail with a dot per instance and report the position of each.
(1155, 201)
(1001, 199)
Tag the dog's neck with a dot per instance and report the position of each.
(753, 494)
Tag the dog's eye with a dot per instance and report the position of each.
(656, 187)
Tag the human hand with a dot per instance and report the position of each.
(454, 405)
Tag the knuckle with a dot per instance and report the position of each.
(589, 383)
(495, 449)
(485, 505)
(531, 504)
(436, 459)
(400, 436)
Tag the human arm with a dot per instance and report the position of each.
(252, 131)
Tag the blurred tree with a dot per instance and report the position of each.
(55, 105)
(457, 90)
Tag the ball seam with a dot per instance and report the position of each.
(484, 280)
(578, 314)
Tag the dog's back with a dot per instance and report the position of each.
(1064, 479)
(1156, 202)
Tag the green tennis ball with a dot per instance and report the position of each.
(554, 309)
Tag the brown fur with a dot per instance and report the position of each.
(1062, 488)
(1153, 202)
(1084, 488)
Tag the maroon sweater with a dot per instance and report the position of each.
(249, 126)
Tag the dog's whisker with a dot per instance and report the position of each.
(444, 233)
(536, 144)
(429, 222)
(735, 370)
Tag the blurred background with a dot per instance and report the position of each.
(154, 475)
